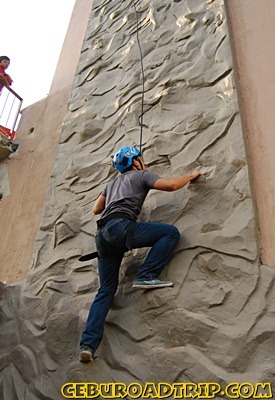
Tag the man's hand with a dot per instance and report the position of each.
(194, 175)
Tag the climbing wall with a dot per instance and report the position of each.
(215, 323)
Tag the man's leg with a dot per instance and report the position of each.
(163, 239)
(110, 243)
(108, 275)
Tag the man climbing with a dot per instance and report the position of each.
(119, 205)
(4, 78)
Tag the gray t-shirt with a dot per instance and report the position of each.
(126, 193)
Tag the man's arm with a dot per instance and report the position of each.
(172, 184)
(6, 78)
(99, 205)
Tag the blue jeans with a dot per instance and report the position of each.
(110, 241)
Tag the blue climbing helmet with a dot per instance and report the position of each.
(123, 159)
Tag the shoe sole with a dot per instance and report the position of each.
(85, 356)
(152, 286)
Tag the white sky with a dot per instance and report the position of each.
(32, 35)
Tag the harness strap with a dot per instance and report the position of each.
(103, 221)
(128, 242)
(88, 257)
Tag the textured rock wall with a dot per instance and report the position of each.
(216, 323)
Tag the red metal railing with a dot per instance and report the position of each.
(10, 106)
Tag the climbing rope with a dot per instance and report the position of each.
(142, 74)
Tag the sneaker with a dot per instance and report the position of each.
(151, 284)
(86, 354)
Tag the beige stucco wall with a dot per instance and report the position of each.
(69, 56)
(27, 173)
(252, 39)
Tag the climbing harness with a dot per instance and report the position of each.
(107, 250)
